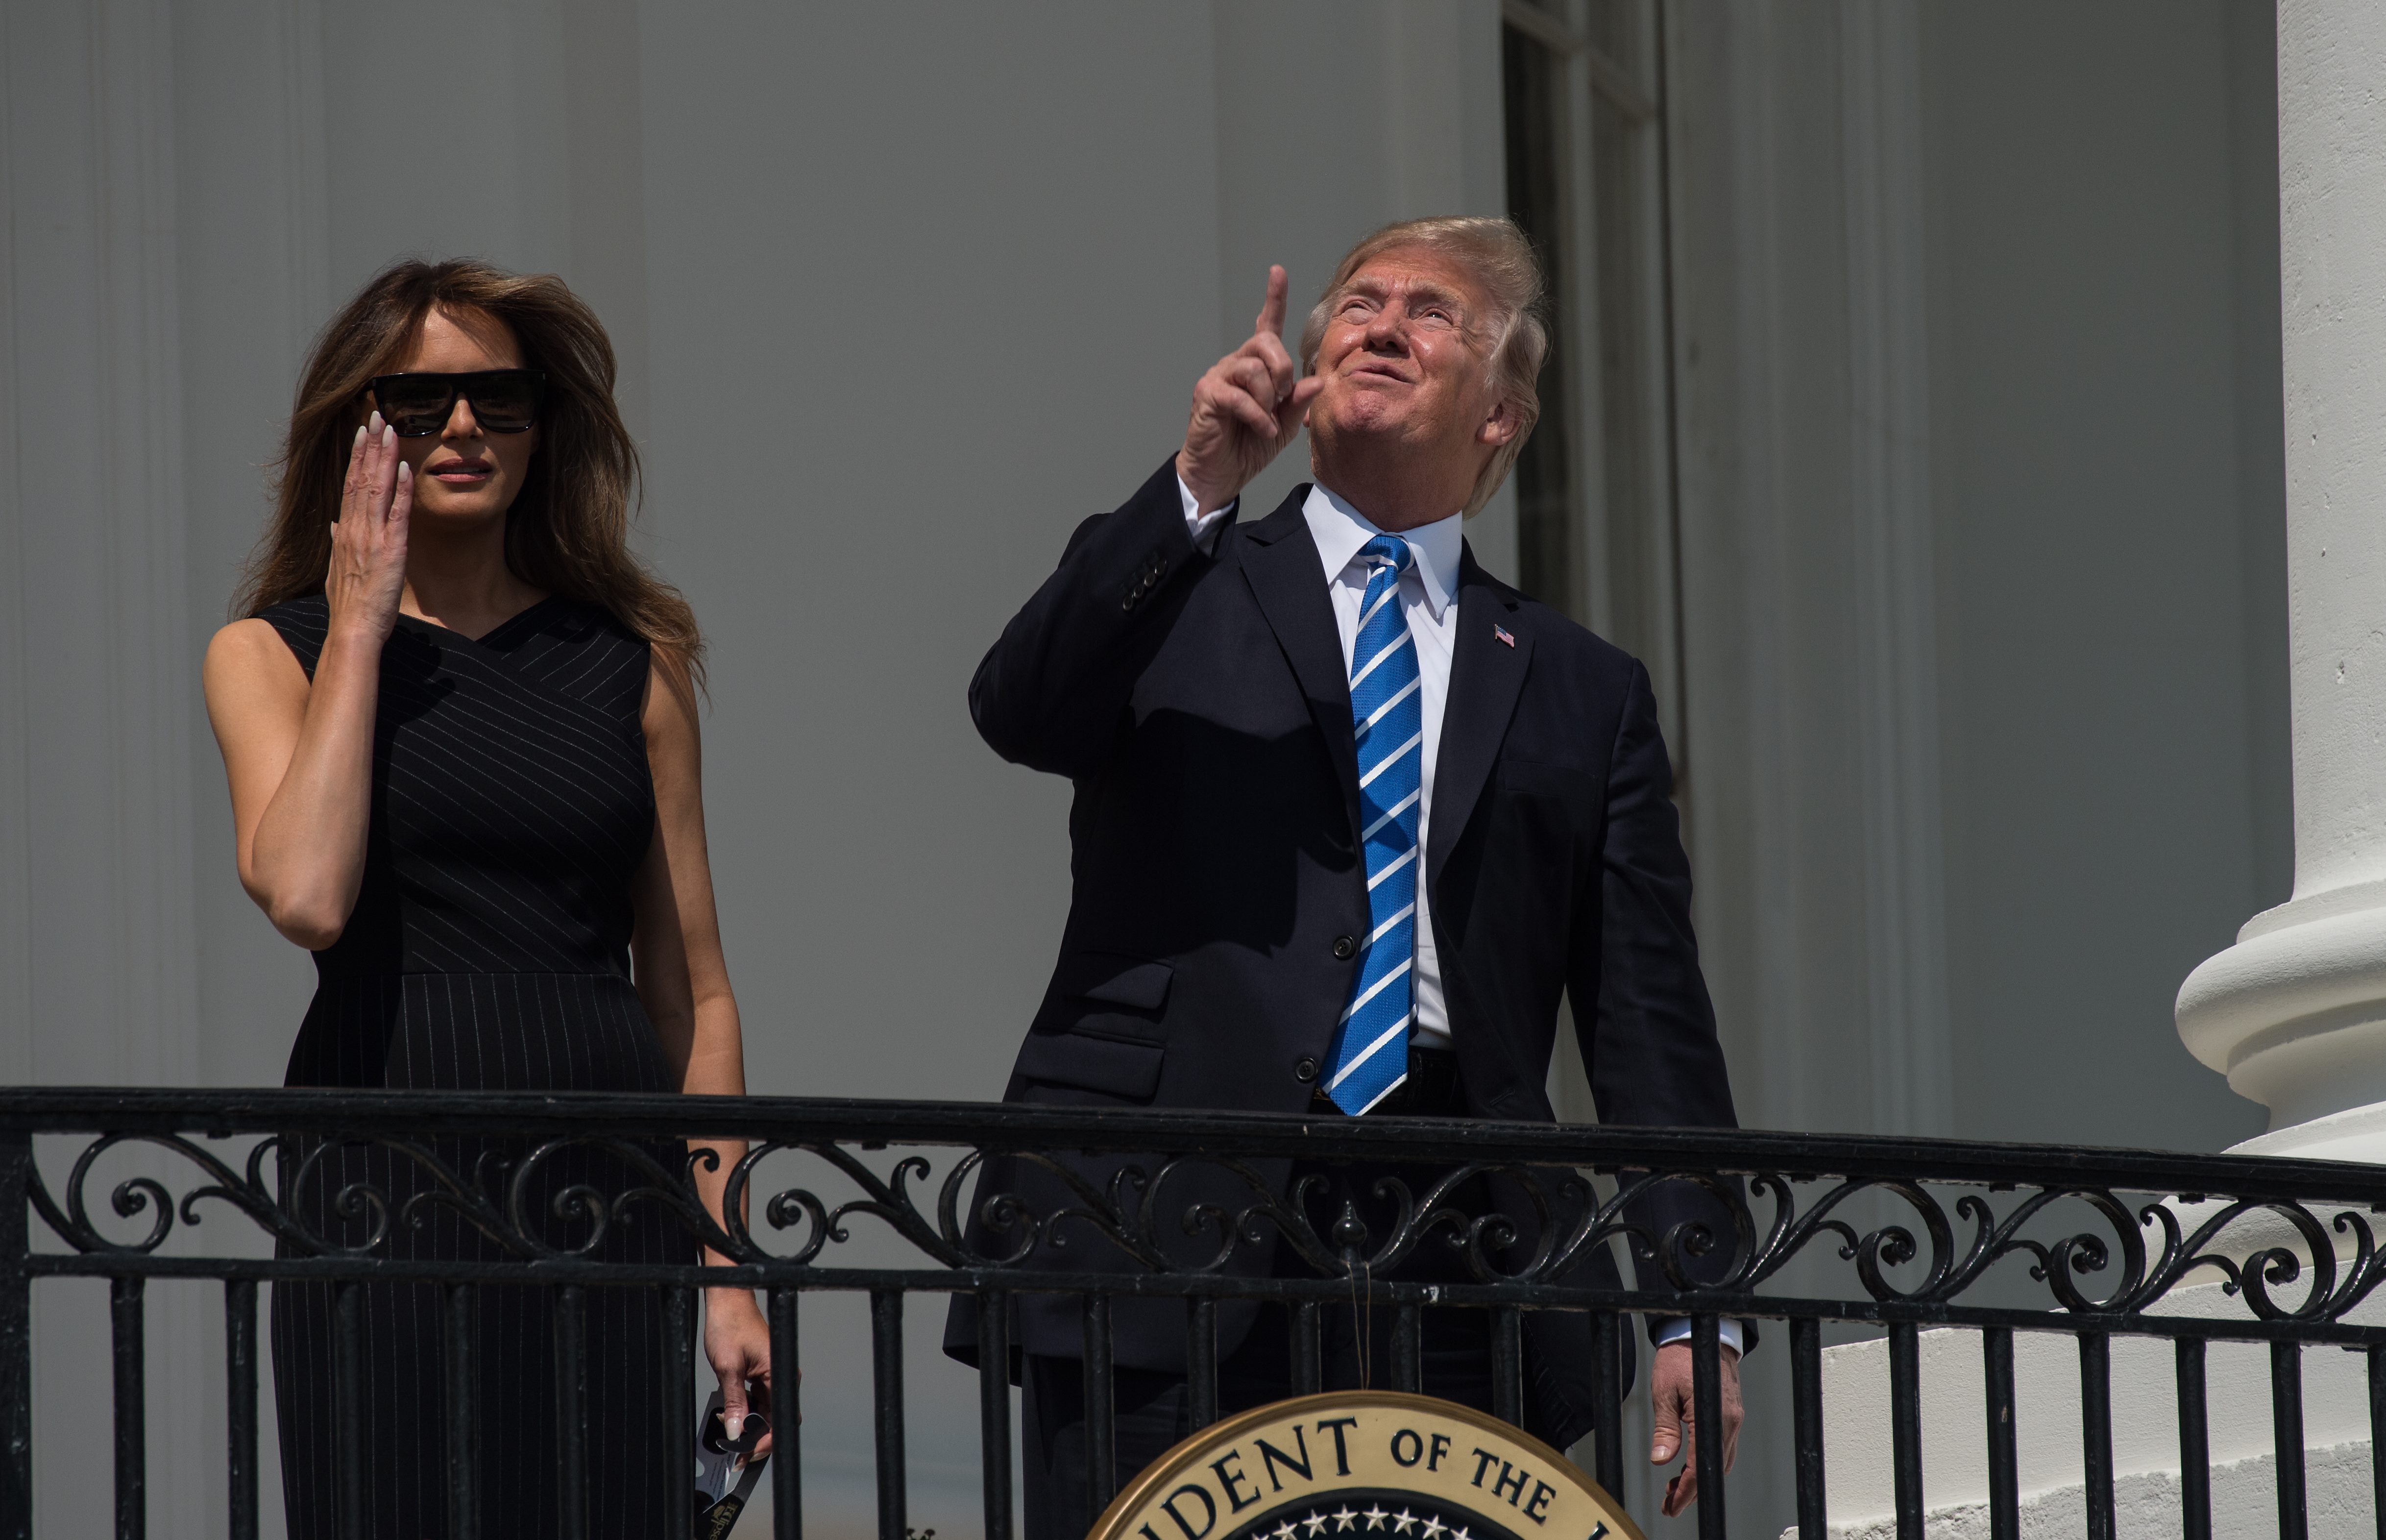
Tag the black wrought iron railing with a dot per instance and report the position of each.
(1892, 1234)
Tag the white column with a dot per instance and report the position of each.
(2295, 1013)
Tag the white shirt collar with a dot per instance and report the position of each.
(1339, 530)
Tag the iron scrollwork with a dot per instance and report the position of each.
(1904, 1240)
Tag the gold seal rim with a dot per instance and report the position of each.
(1180, 1456)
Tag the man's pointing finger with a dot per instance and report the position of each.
(1271, 311)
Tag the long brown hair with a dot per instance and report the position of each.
(567, 531)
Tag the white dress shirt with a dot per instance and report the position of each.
(1429, 601)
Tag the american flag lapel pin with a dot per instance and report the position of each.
(1501, 632)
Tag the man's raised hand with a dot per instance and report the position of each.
(1249, 405)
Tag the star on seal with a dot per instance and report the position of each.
(1376, 1517)
(1348, 1519)
(1403, 1523)
(1316, 1523)
(1283, 1531)
(1433, 1528)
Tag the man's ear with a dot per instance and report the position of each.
(1501, 427)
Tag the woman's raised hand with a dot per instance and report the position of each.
(1246, 408)
(367, 574)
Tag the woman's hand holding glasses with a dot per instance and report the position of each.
(367, 574)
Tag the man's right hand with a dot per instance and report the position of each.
(1248, 407)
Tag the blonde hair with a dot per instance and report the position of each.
(1500, 259)
(567, 531)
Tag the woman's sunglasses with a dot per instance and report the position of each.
(503, 400)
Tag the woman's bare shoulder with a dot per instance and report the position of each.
(250, 654)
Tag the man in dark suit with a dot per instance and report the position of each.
(1350, 815)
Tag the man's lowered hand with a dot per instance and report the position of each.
(1670, 1399)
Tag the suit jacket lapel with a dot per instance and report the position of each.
(1280, 562)
(1486, 675)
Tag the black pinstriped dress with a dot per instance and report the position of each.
(511, 806)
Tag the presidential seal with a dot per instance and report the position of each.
(1364, 1465)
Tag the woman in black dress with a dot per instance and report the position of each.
(460, 731)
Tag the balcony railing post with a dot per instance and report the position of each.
(1408, 1347)
(2004, 1460)
(460, 1308)
(994, 1409)
(1308, 1347)
(2096, 1429)
(886, 1364)
(572, 1413)
(2377, 1433)
(1102, 1459)
(1905, 1427)
(1508, 1365)
(1806, 1412)
(679, 1412)
(348, 1408)
(2287, 1427)
(16, 1339)
(1201, 1361)
(786, 1418)
(1706, 1402)
(240, 1405)
(2194, 1444)
(131, 1408)
(1607, 1433)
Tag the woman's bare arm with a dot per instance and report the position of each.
(300, 758)
(684, 983)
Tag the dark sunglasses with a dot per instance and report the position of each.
(503, 400)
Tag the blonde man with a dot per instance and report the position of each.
(1352, 817)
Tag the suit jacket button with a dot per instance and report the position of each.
(1345, 948)
(1304, 1069)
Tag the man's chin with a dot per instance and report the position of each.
(1353, 423)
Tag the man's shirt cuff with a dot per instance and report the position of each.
(1678, 1329)
(1202, 527)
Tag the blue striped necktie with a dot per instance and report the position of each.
(1370, 1055)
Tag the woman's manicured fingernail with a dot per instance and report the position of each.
(360, 436)
(375, 421)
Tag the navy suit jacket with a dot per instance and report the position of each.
(1200, 705)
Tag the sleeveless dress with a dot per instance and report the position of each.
(488, 950)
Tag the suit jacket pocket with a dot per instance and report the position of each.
(1113, 1065)
(1135, 983)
